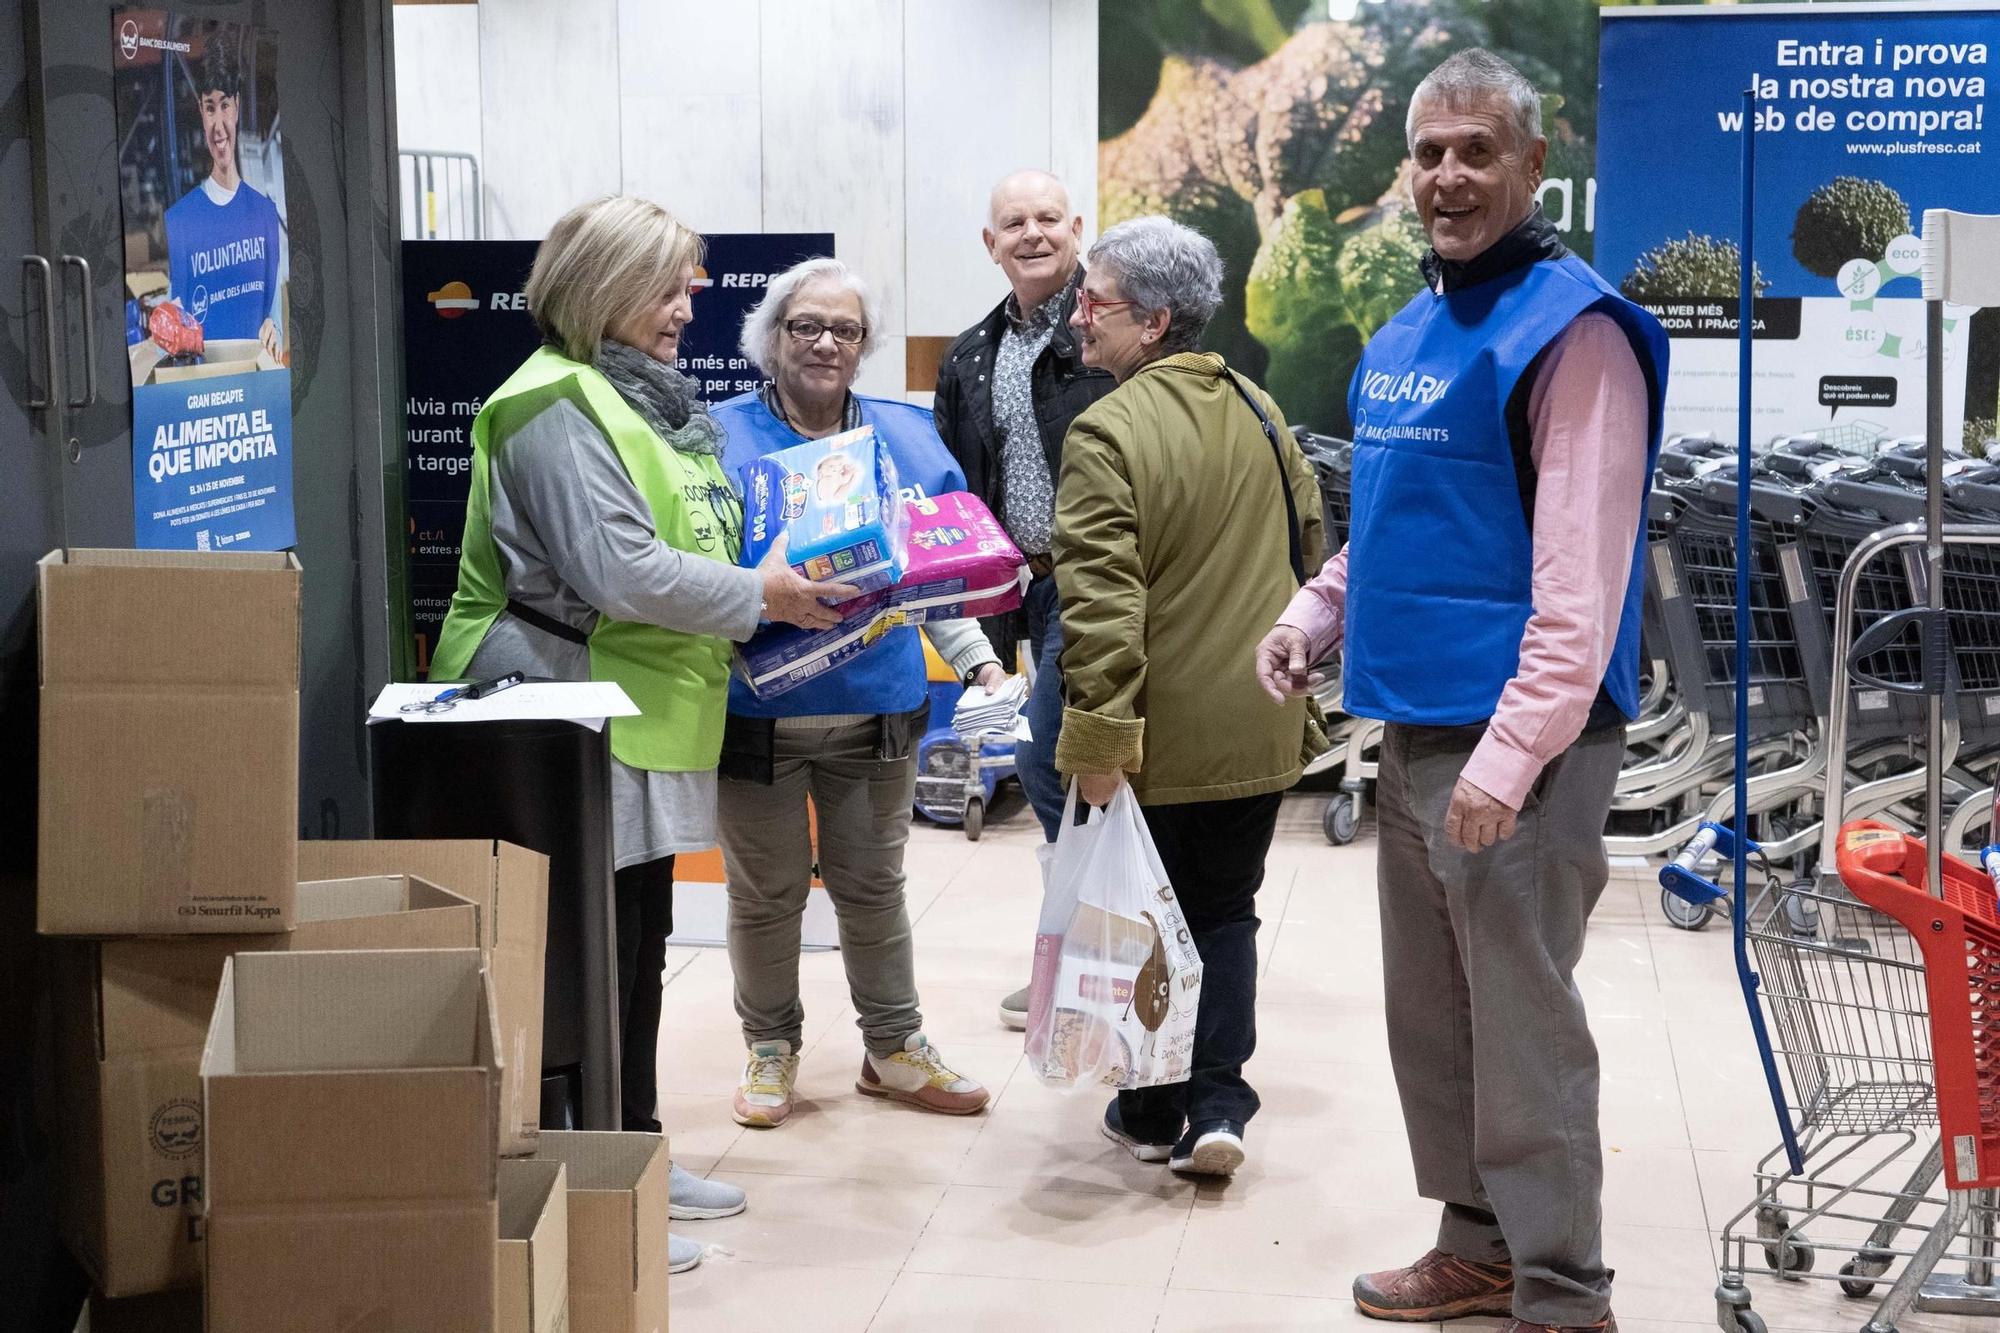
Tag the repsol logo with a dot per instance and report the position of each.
(745, 279)
(1381, 386)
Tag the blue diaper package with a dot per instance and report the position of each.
(836, 501)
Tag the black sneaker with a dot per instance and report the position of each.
(1212, 1148)
(1145, 1150)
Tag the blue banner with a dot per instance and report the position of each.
(208, 323)
(1866, 116)
(212, 463)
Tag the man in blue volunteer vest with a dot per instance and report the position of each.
(1505, 425)
(223, 236)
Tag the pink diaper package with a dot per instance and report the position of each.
(960, 563)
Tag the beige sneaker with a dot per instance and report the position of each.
(764, 1098)
(917, 1075)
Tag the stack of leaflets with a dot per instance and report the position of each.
(979, 712)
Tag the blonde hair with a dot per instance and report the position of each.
(603, 263)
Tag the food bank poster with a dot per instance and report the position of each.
(1866, 117)
(206, 271)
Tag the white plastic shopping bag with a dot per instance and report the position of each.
(1117, 980)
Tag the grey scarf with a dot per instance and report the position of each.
(662, 395)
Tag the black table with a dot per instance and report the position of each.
(545, 786)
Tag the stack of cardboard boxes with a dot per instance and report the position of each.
(301, 1076)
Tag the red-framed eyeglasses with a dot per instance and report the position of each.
(1090, 305)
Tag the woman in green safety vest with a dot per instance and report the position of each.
(601, 541)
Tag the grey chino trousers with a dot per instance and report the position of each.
(863, 805)
(1492, 1053)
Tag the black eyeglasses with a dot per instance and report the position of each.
(808, 331)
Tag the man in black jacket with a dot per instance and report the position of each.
(1007, 390)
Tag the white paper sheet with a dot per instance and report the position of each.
(587, 703)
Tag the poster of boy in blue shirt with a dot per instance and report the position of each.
(223, 236)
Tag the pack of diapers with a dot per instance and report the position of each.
(959, 563)
(835, 501)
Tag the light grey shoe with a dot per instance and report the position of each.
(1014, 1010)
(681, 1254)
(692, 1198)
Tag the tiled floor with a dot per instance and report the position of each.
(865, 1216)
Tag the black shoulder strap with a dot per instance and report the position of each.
(1284, 477)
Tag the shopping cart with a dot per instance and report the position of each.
(1874, 1076)
(1355, 743)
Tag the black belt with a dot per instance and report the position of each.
(546, 624)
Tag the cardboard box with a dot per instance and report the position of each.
(617, 1228)
(170, 742)
(511, 886)
(131, 1016)
(383, 912)
(350, 1101)
(531, 1268)
(219, 356)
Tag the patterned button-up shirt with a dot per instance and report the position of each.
(1029, 493)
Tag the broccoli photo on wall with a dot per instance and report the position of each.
(1847, 218)
(1695, 267)
(1277, 130)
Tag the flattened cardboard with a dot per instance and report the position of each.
(131, 1016)
(511, 886)
(617, 1228)
(531, 1268)
(350, 1100)
(170, 752)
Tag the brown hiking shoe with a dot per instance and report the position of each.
(1437, 1286)
(1609, 1324)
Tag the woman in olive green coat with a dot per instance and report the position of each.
(1185, 519)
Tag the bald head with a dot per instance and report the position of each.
(1032, 235)
(1025, 188)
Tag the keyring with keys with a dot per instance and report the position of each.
(457, 694)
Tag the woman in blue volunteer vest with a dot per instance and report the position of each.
(601, 541)
(847, 739)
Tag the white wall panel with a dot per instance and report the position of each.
(1073, 108)
(437, 78)
(689, 82)
(976, 80)
(833, 146)
(551, 113)
(883, 121)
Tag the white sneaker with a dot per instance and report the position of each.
(681, 1254)
(918, 1075)
(692, 1198)
(764, 1098)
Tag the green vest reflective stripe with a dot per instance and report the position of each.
(679, 681)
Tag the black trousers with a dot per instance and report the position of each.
(645, 894)
(1213, 852)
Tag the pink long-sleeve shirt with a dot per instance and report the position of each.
(1587, 424)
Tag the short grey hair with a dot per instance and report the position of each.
(763, 326)
(1159, 264)
(1476, 75)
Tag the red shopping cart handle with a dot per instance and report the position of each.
(1885, 868)
(1959, 935)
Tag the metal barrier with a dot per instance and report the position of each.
(440, 193)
